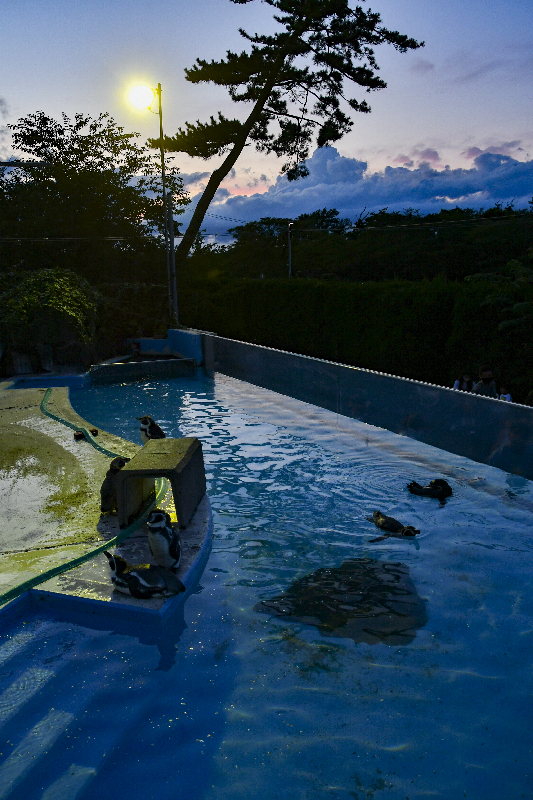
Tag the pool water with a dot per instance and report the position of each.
(230, 702)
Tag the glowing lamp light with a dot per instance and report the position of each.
(141, 96)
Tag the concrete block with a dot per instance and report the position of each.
(180, 461)
(186, 342)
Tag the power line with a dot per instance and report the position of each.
(230, 219)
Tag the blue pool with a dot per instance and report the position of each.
(230, 702)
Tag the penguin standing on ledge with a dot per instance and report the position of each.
(163, 540)
(150, 429)
(142, 580)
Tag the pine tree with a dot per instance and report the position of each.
(295, 81)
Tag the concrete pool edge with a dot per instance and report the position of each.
(116, 607)
(85, 610)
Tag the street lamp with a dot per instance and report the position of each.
(289, 226)
(143, 97)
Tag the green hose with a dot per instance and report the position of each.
(161, 486)
(88, 435)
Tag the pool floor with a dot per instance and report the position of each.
(228, 702)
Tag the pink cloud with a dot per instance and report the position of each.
(427, 155)
(504, 149)
(404, 160)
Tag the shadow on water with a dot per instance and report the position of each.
(365, 600)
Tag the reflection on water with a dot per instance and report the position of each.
(365, 600)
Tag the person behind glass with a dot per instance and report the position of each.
(463, 383)
(486, 385)
(505, 394)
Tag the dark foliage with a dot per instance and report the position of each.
(425, 330)
(48, 312)
(95, 202)
(381, 246)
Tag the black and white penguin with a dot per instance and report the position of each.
(142, 580)
(437, 488)
(150, 429)
(392, 526)
(108, 491)
(163, 540)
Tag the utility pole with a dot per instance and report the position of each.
(289, 236)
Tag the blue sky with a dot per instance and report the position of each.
(431, 140)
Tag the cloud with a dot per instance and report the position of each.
(422, 66)
(505, 148)
(428, 155)
(4, 108)
(343, 183)
(193, 177)
(221, 194)
(405, 161)
(483, 69)
(257, 181)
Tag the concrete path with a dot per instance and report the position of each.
(49, 485)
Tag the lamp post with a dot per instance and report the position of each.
(143, 97)
(289, 226)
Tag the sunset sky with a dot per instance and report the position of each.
(453, 126)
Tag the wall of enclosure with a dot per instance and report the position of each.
(489, 431)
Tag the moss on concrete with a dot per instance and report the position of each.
(49, 484)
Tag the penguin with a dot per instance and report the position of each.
(391, 525)
(142, 580)
(108, 491)
(163, 540)
(150, 429)
(438, 488)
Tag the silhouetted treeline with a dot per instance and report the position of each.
(379, 246)
(425, 330)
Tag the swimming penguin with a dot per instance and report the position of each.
(108, 492)
(150, 429)
(438, 488)
(391, 525)
(142, 580)
(164, 541)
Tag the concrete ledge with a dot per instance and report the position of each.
(180, 461)
(86, 593)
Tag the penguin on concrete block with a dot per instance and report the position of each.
(142, 580)
(108, 492)
(150, 429)
(163, 540)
